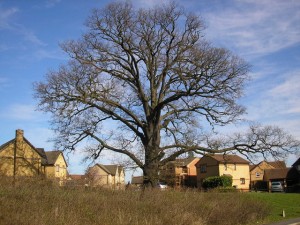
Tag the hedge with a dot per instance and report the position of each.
(217, 181)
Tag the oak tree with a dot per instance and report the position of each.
(146, 83)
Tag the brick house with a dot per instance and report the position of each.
(264, 172)
(180, 172)
(228, 165)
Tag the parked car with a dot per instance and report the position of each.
(276, 186)
(162, 185)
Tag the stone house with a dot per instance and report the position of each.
(56, 166)
(228, 165)
(180, 172)
(19, 158)
(107, 176)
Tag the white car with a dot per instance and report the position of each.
(162, 185)
(276, 186)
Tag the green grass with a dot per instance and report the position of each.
(289, 202)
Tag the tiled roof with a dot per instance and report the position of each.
(251, 167)
(275, 164)
(52, 157)
(111, 169)
(41, 151)
(184, 162)
(229, 158)
(278, 164)
(276, 173)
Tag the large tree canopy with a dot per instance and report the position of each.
(151, 77)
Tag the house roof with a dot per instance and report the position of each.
(40, 151)
(251, 167)
(228, 158)
(52, 157)
(5, 144)
(297, 162)
(47, 158)
(276, 173)
(111, 169)
(275, 164)
(185, 161)
(278, 164)
(137, 180)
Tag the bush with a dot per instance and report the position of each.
(217, 181)
(224, 189)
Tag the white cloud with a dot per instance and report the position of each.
(257, 27)
(7, 23)
(290, 87)
(277, 102)
(288, 93)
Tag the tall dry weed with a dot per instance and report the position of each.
(44, 203)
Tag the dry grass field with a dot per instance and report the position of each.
(42, 203)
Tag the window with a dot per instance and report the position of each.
(257, 174)
(203, 168)
(234, 166)
(57, 168)
(225, 166)
(242, 180)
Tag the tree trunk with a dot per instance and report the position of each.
(151, 176)
(151, 167)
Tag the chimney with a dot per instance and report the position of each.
(19, 135)
(18, 145)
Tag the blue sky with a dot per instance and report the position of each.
(265, 33)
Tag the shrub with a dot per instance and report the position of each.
(217, 181)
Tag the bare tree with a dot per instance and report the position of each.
(150, 75)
